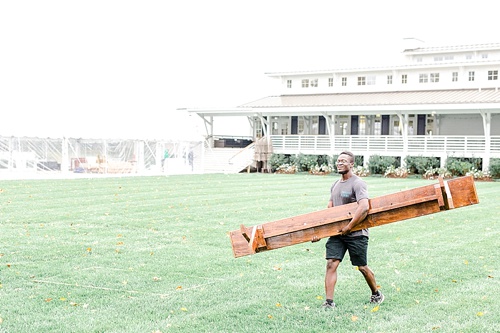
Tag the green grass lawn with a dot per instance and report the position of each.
(152, 254)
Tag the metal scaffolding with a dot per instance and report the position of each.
(29, 156)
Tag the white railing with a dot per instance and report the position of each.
(472, 145)
(307, 144)
(495, 144)
(242, 158)
(458, 144)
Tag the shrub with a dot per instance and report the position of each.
(399, 172)
(458, 166)
(277, 160)
(419, 164)
(358, 160)
(321, 170)
(379, 164)
(286, 168)
(478, 174)
(433, 173)
(324, 160)
(304, 162)
(494, 168)
(361, 171)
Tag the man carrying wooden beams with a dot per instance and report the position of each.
(348, 189)
(349, 215)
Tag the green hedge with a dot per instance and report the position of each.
(301, 161)
(494, 168)
(379, 164)
(279, 159)
(459, 166)
(420, 164)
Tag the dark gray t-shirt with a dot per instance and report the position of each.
(345, 192)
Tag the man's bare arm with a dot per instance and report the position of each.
(359, 215)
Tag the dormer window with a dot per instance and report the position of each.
(423, 78)
(454, 77)
(434, 77)
(330, 81)
(468, 56)
(361, 80)
(484, 56)
(389, 79)
(371, 80)
(305, 83)
(438, 58)
(404, 78)
(471, 75)
(344, 81)
(492, 75)
(314, 82)
(289, 83)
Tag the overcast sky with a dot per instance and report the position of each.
(121, 69)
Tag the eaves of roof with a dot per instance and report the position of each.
(454, 48)
(440, 101)
(430, 97)
(444, 64)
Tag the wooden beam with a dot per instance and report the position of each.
(257, 242)
(429, 199)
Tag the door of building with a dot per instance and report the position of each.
(421, 122)
(295, 125)
(354, 125)
(280, 125)
(385, 125)
(343, 125)
(322, 125)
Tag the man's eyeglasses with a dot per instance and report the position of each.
(343, 162)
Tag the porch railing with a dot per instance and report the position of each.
(472, 145)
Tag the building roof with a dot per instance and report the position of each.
(454, 48)
(440, 101)
(381, 98)
(404, 65)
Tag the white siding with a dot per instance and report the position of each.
(452, 60)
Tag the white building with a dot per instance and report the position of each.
(440, 101)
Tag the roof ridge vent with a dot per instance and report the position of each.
(412, 43)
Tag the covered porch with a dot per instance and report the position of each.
(459, 123)
(441, 146)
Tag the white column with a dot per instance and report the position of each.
(265, 128)
(332, 134)
(487, 139)
(403, 118)
(209, 129)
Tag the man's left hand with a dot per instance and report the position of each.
(315, 239)
(345, 230)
